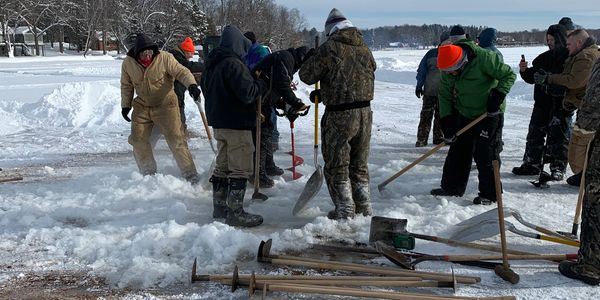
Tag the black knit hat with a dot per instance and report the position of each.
(457, 33)
(567, 22)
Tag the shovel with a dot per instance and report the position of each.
(493, 214)
(314, 183)
(208, 173)
(489, 228)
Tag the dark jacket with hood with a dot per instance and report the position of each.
(194, 67)
(576, 73)
(229, 88)
(345, 66)
(428, 74)
(487, 40)
(153, 84)
(550, 61)
(284, 64)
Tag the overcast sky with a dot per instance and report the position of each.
(504, 15)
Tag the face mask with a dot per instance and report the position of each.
(145, 58)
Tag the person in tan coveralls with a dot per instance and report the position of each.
(150, 73)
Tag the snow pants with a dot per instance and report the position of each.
(430, 111)
(166, 117)
(346, 138)
(234, 154)
(548, 136)
(482, 142)
(589, 251)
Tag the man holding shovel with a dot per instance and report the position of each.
(346, 69)
(231, 92)
(587, 268)
(474, 81)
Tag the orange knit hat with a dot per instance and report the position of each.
(187, 45)
(450, 57)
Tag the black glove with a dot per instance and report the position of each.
(194, 91)
(448, 124)
(125, 112)
(419, 92)
(495, 99)
(315, 94)
(540, 76)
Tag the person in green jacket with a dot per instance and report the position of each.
(474, 81)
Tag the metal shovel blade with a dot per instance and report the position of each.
(207, 174)
(477, 231)
(488, 215)
(312, 187)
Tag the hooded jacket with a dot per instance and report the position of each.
(487, 40)
(345, 66)
(284, 64)
(194, 67)
(576, 73)
(428, 74)
(228, 86)
(154, 84)
(467, 92)
(551, 61)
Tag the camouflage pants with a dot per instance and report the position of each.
(346, 137)
(429, 111)
(589, 251)
(548, 136)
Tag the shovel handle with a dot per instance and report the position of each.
(579, 206)
(433, 150)
(496, 167)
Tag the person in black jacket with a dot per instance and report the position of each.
(183, 53)
(283, 64)
(231, 91)
(550, 124)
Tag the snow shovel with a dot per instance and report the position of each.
(314, 183)
(493, 214)
(489, 228)
(433, 150)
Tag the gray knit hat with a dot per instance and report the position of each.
(457, 32)
(335, 16)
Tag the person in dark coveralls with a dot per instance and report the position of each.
(231, 92)
(428, 82)
(346, 69)
(550, 123)
(474, 81)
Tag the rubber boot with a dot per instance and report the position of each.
(236, 216)
(270, 168)
(341, 194)
(219, 186)
(362, 198)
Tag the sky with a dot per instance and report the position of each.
(504, 15)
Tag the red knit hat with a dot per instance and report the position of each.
(187, 45)
(450, 57)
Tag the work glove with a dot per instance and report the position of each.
(541, 76)
(125, 112)
(419, 92)
(448, 124)
(315, 94)
(495, 99)
(194, 91)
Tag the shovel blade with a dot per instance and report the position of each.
(477, 231)
(205, 181)
(488, 215)
(312, 187)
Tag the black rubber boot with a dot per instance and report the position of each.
(220, 186)
(362, 199)
(236, 216)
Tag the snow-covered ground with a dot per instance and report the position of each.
(83, 207)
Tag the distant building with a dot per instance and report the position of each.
(22, 40)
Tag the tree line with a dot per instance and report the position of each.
(166, 21)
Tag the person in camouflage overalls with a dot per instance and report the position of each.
(587, 268)
(346, 69)
(428, 82)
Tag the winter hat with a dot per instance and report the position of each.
(487, 37)
(251, 36)
(451, 57)
(457, 33)
(559, 33)
(567, 22)
(335, 16)
(444, 36)
(187, 45)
